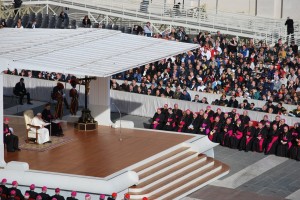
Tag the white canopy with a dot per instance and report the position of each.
(92, 52)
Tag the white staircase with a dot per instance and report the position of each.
(176, 175)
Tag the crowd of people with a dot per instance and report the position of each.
(222, 65)
(51, 76)
(13, 193)
(233, 130)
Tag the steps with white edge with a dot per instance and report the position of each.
(176, 174)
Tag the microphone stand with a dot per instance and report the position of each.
(120, 133)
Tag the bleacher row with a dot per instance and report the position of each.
(53, 21)
(42, 21)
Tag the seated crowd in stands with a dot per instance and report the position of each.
(233, 130)
(52, 76)
(222, 66)
(13, 193)
(178, 93)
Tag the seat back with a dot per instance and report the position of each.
(28, 116)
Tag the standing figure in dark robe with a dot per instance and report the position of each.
(235, 138)
(272, 140)
(295, 148)
(281, 125)
(236, 117)
(246, 142)
(194, 125)
(11, 140)
(170, 121)
(201, 117)
(181, 123)
(59, 96)
(276, 121)
(15, 191)
(232, 113)
(205, 125)
(158, 120)
(216, 128)
(55, 128)
(259, 139)
(228, 131)
(268, 128)
(164, 110)
(210, 113)
(188, 119)
(225, 116)
(177, 112)
(264, 120)
(245, 118)
(219, 114)
(284, 143)
(74, 97)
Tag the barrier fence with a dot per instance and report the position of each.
(128, 103)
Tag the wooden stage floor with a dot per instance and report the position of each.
(98, 153)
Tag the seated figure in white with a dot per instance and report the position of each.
(43, 133)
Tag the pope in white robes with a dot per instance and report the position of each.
(43, 133)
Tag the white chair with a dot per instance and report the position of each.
(32, 135)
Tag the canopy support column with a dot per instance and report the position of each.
(99, 100)
(2, 161)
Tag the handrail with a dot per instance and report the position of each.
(236, 24)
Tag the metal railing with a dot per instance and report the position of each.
(241, 25)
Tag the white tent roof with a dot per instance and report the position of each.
(93, 52)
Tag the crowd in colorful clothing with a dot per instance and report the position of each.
(222, 65)
(233, 130)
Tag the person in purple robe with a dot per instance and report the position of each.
(210, 113)
(272, 141)
(219, 114)
(246, 142)
(164, 110)
(295, 148)
(170, 121)
(158, 120)
(245, 118)
(237, 135)
(259, 139)
(265, 120)
(194, 124)
(276, 121)
(178, 113)
(284, 143)
(205, 125)
(228, 131)
(216, 128)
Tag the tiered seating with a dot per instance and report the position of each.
(42, 21)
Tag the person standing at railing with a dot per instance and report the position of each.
(148, 29)
(290, 29)
(86, 22)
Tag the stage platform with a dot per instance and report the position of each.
(99, 153)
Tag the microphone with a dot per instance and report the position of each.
(120, 133)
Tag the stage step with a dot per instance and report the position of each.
(182, 173)
(150, 165)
